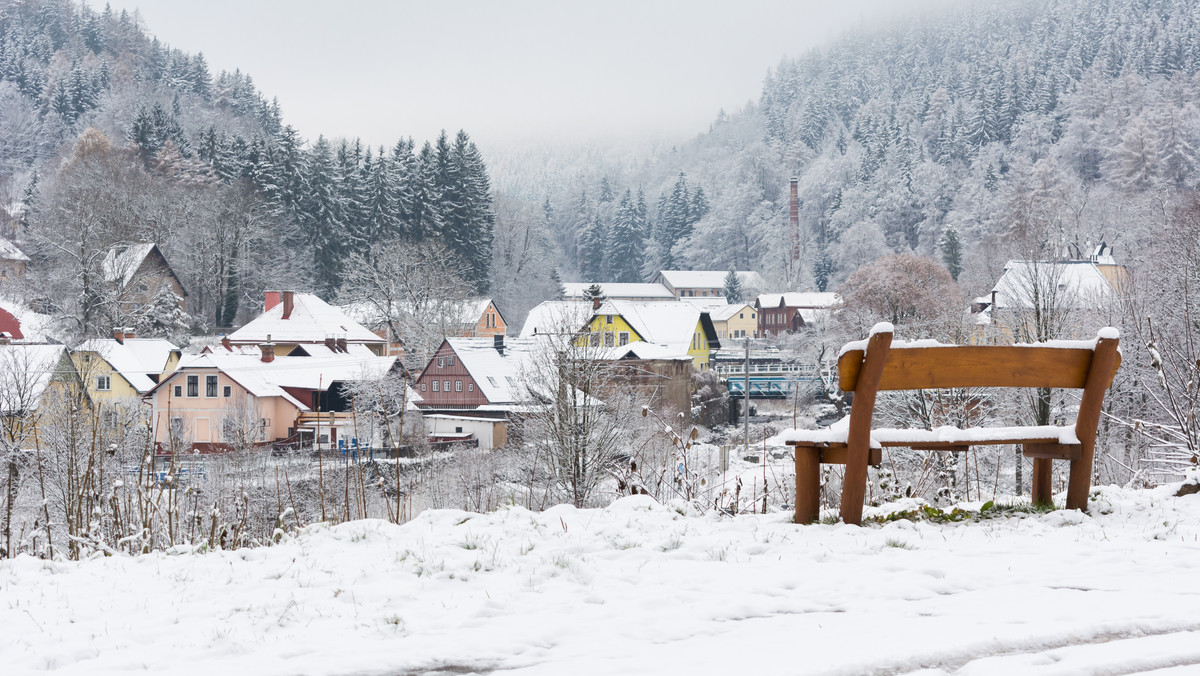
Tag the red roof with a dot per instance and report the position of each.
(10, 324)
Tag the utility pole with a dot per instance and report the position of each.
(746, 399)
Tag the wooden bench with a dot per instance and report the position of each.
(869, 366)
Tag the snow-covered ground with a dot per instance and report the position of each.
(637, 588)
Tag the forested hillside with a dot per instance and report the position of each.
(1001, 125)
(109, 137)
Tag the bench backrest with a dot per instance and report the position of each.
(880, 367)
(941, 367)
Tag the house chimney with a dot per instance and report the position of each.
(129, 335)
(289, 303)
(341, 345)
(498, 342)
(119, 335)
(330, 342)
(268, 350)
(226, 344)
(794, 218)
(271, 299)
(595, 303)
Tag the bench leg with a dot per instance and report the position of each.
(808, 484)
(854, 486)
(1041, 482)
(1079, 484)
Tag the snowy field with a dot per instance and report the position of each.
(638, 588)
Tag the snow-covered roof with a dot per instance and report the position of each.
(10, 252)
(618, 290)
(25, 372)
(670, 324)
(720, 313)
(556, 317)
(122, 263)
(707, 279)
(312, 320)
(467, 311)
(498, 375)
(800, 299)
(641, 350)
(135, 359)
(1079, 284)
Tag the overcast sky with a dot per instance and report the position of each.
(505, 71)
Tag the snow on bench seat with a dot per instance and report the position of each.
(943, 436)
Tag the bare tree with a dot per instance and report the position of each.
(575, 436)
(415, 291)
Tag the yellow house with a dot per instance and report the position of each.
(118, 371)
(34, 378)
(681, 327)
(737, 320)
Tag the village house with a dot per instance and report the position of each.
(30, 377)
(12, 261)
(735, 320)
(682, 328)
(657, 375)
(706, 283)
(477, 318)
(117, 372)
(139, 272)
(292, 319)
(787, 312)
(476, 374)
(220, 401)
(1088, 286)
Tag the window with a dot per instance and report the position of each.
(441, 362)
(623, 338)
(210, 386)
(179, 390)
(492, 381)
(450, 360)
(445, 385)
(109, 419)
(227, 392)
(608, 319)
(193, 383)
(458, 386)
(436, 383)
(741, 315)
(177, 427)
(595, 340)
(609, 338)
(511, 382)
(470, 387)
(458, 430)
(103, 383)
(422, 387)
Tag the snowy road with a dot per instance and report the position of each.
(637, 588)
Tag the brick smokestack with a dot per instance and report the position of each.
(289, 303)
(268, 350)
(271, 299)
(794, 218)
